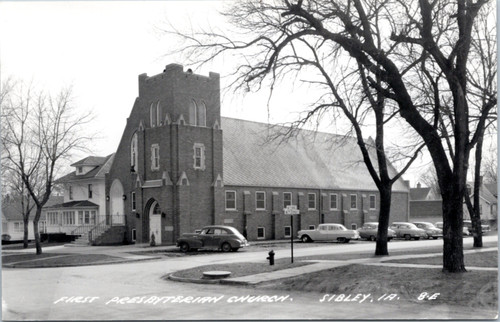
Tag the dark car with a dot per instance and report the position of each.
(431, 230)
(369, 231)
(408, 231)
(484, 228)
(225, 238)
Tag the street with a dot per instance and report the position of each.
(136, 291)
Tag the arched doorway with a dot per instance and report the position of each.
(155, 222)
(116, 203)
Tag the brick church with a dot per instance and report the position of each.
(180, 166)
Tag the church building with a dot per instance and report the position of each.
(180, 166)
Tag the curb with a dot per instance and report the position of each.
(192, 280)
(81, 264)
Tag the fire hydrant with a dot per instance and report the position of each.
(271, 257)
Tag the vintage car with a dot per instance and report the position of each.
(369, 231)
(225, 238)
(328, 232)
(484, 228)
(431, 230)
(467, 228)
(408, 231)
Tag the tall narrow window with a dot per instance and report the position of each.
(152, 114)
(133, 153)
(70, 193)
(287, 199)
(260, 200)
(133, 201)
(192, 113)
(230, 200)
(354, 202)
(261, 233)
(155, 157)
(90, 191)
(333, 201)
(202, 115)
(158, 114)
(373, 202)
(311, 198)
(199, 156)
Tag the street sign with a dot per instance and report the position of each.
(291, 210)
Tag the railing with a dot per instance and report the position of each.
(97, 231)
(82, 229)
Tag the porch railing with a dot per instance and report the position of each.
(98, 230)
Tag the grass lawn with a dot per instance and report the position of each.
(472, 289)
(239, 269)
(52, 260)
(485, 259)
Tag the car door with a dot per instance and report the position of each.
(217, 237)
(322, 232)
(207, 238)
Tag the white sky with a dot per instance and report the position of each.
(101, 47)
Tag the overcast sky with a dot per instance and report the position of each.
(100, 48)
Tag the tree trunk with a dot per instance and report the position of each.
(36, 232)
(453, 257)
(26, 230)
(475, 216)
(383, 219)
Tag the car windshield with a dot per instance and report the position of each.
(232, 230)
(340, 227)
(371, 226)
(412, 226)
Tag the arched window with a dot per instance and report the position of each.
(158, 113)
(202, 114)
(134, 153)
(152, 114)
(192, 113)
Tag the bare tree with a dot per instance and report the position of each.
(39, 132)
(274, 35)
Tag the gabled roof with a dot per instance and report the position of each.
(12, 209)
(101, 168)
(90, 161)
(75, 204)
(419, 193)
(493, 188)
(309, 160)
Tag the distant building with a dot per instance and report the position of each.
(12, 219)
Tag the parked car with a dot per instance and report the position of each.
(484, 228)
(225, 238)
(431, 230)
(408, 231)
(467, 228)
(369, 231)
(328, 232)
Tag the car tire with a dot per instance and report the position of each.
(407, 237)
(184, 247)
(372, 238)
(417, 238)
(435, 237)
(305, 239)
(341, 239)
(226, 247)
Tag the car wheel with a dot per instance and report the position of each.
(435, 237)
(389, 239)
(235, 249)
(184, 247)
(226, 247)
(306, 239)
(407, 237)
(417, 238)
(341, 239)
(372, 238)
(347, 240)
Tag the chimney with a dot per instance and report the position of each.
(419, 185)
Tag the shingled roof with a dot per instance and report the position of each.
(102, 166)
(309, 160)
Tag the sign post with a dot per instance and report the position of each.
(291, 210)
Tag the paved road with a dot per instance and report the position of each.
(52, 293)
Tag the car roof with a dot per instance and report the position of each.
(218, 226)
(422, 222)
